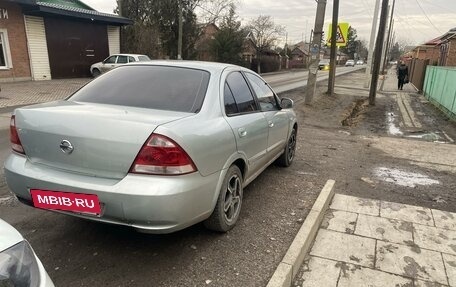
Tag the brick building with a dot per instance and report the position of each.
(44, 39)
(448, 49)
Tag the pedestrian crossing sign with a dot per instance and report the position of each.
(342, 35)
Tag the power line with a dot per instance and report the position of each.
(419, 5)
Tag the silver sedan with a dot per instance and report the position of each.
(157, 146)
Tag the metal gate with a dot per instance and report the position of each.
(74, 46)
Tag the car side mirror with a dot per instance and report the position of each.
(286, 103)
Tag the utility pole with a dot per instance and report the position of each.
(371, 44)
(384, 41)
(332, 62)
(315, 47)
(378, 52)
(179, 40)
(390, 31)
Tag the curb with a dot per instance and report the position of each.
(293, 259)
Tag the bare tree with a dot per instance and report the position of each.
(214, 11)
(265, 35)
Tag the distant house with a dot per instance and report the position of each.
(49, 39)
(203, 44)
(299, 55)
(249, 50)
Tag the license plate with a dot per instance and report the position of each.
(67, 201)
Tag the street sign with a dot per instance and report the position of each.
(342, 35)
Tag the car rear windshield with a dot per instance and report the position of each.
(154, 87)
(143, 58)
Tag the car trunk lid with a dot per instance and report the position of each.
(92, 139)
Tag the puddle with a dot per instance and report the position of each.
(392, 128)
(404, 178)
(432, 137)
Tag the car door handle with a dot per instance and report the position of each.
(271, 124)
(242, 132)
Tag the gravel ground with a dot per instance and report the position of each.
(82, 253)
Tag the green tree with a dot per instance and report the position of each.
(395, 52)
(228, 42)
(352, 43)
(156, 26)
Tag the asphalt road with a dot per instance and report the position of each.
(82, 253)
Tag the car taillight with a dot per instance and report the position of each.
(162, 156)
(14, 137)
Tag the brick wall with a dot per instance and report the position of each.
(451, 60)
(15, 27)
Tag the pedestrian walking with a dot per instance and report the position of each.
(402, 75)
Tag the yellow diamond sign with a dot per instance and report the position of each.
(342, 35)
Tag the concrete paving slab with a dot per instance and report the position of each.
(410, 261)
(450, 266)
(404, 212)
(444, 219)
(356, 204)
(385, 229)
(341, 221)
(344, 247)
(358, 276)
(421, 283)
(319, 272)
(434, 238)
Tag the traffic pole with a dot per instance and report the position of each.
(378, 52)
(372, 44)
(332, 61)
(315, 55)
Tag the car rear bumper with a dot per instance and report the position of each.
(153, 204)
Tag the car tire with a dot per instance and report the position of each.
(96, 73)
(229, 202)
(286, 159)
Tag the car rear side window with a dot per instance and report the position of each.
(131, 59)
(122, 59)
(143, 58)
(230, 104)
(241, 93)
(154, 87)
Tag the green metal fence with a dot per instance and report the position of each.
(440, 88)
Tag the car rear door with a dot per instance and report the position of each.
(121, 60)
(248, 124)
(278, 120)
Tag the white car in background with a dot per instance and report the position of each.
(115, 61)
(19, 265)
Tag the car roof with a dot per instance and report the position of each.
(128, 55)
(199, 65)
(9, 236)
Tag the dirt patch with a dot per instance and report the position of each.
(355, 112)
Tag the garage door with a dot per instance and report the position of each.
(74, 46)
(38, 50)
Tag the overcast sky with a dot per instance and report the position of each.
(416, 21)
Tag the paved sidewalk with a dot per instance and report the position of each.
(30, 92)
(364, 242)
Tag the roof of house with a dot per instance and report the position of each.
(70, 8)
(439, 40)
(299, 50)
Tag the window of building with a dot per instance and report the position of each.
(5, 55)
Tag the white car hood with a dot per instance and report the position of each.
(8, 236)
